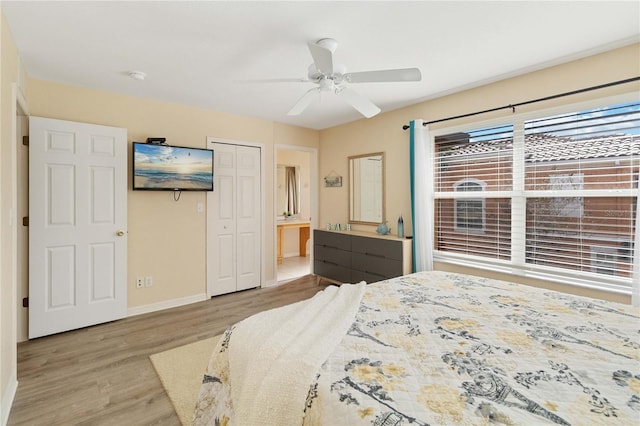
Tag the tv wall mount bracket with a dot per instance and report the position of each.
(157, 141)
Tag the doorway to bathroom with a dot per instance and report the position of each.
(295, 209)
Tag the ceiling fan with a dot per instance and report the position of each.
(331, 77)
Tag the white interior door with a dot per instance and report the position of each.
(77, 225)
(234, 236)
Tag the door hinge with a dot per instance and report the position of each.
(25, 302)
(25, 140)
(25, 221)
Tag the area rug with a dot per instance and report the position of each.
(180, 370)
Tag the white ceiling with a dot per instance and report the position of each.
(196, 52)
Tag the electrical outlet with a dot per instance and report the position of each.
(139, 282)
(148, 281)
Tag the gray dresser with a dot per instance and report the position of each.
(354, 256)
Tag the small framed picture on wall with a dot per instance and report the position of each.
(332, 181)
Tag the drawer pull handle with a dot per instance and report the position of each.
(375, 255)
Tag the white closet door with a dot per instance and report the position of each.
(221, 222)
(77, 225)
(233, 220)
(248, 217)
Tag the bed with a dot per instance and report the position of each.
(429, 348)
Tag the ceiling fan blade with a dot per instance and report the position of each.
(305, 101)
(275, 80)
(403, 74)
(322, 58)
(359, 102)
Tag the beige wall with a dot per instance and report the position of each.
(8, 230)
(384, 132)
(166, 239)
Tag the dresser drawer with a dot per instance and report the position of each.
(332, 255)
(379, 266)
(332, 239)
(377, 247)
(332, 271)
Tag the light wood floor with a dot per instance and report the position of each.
(102, 375)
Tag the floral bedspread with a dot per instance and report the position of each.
(437, 348)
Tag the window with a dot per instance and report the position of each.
(555, 194)
(469, 213)
(604, 260)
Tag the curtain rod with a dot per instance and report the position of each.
(546, 98)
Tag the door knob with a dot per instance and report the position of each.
(119, 232)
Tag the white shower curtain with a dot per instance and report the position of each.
(292, 190)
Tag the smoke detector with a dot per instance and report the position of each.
(137, 75)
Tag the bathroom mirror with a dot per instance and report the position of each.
(366, 188)
(288, 188)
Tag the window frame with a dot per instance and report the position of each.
(518, 196)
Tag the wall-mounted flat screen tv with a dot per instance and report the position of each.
(171, 168)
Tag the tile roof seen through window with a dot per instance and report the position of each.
(546, 147)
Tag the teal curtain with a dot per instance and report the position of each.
(412, 165)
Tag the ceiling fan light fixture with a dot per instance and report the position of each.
(326, 84)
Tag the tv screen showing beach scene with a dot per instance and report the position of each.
(172, 168)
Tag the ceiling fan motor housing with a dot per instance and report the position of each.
(328, 43)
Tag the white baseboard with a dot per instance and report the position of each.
(8, 396)
(167, 304)
(270, 283)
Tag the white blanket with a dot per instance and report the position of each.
(274, 356)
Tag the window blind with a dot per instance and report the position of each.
(556, 194)
(473, 171)
(581, 184)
